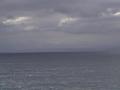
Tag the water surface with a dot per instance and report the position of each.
(59, 71)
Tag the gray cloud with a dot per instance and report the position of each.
(48, 25)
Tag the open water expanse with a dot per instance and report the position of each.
(59, 71)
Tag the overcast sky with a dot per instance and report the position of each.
(59, 25)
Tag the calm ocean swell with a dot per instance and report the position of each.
(67, 74)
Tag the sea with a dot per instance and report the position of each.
(59, 71)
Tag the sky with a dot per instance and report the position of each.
(59, 25)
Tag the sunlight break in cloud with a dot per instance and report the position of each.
(67, 20)
(111, 12)
(16, 20)
(117, 14)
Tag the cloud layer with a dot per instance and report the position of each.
(55, 25)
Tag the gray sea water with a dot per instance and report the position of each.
(59, 71)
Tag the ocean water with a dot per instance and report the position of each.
(59, 71)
